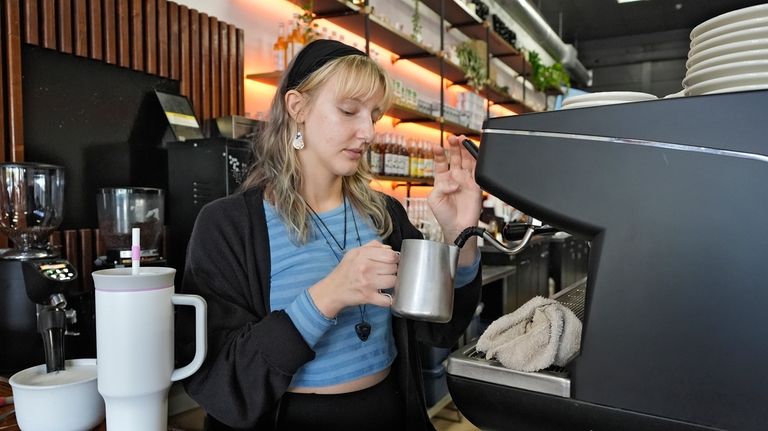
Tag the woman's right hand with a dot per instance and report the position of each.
(358, 279)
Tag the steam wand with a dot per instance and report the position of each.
(479, 231)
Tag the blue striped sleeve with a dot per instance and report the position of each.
(465, 274)
(308, 319)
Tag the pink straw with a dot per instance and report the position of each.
(135, 251)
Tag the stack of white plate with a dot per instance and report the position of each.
(605, 98)
(729, 53)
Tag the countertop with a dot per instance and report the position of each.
(9, 423)
(496, 272)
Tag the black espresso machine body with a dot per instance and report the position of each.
(671, 194)
(199, 171)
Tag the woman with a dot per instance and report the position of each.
(293, 267)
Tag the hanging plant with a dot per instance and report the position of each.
(416, 22)
(547, 77)
(475, 69)
(306, 20)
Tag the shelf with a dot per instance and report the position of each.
(271, 78)
(352, 18)
(461, 18)
(554, 91)
(412, 181)
(456, 13)
(491, 92)
(405, 114)
(329, 8)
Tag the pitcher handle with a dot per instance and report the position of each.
(201, 337)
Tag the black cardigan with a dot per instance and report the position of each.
(254, 353)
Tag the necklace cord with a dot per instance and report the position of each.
(363, 325)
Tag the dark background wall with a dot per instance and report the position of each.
(101, 122)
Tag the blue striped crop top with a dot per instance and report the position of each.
(340, 356)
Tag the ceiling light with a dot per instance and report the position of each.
(627, 1)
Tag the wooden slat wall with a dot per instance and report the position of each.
(150, 36)
(64, 25)
(12, 80)
(80, 35)
(205, 67)
(215, 68)
(48, 23)
(109, 29)
(122, 33)
(154, 36)
(96, 33)
(174, 53)
(162, 38)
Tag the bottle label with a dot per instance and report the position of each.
(389, 164)
(280, 60)
(376, 163)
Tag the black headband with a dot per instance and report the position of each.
(314, 56)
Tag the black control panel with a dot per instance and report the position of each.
(55, 269)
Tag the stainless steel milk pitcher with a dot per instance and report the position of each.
(427, 270)
(425, 276)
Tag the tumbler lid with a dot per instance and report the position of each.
(121, 279)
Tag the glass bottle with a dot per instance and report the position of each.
(375, 155)
(278, 49)
(387, 156)
(404, 157)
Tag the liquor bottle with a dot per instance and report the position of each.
(375, 155)
(278, 49)
(412, 158)
(296, 37)
(429, 164)
(290, 43)
(404, 158)
(420, 159)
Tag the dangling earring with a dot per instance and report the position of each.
(298, 141)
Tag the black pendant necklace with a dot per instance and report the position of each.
(363, 328)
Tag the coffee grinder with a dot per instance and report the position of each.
(119, 210)
(35, 282)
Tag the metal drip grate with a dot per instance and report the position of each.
(471, 364)
(574, 297)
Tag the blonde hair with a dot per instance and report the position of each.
(276, 167)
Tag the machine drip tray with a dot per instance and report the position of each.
(471, 364)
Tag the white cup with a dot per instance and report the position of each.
(134, 344)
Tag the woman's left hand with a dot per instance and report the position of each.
(455, 199)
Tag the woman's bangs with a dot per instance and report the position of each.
(361, 79)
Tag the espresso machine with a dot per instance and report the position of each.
(673, 310)
(36, 285)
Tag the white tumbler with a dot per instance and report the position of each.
(134, 345)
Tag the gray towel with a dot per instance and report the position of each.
(540, 333)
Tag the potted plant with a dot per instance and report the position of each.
(544, 77)
(474, 66)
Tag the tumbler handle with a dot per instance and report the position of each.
(201, 338)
